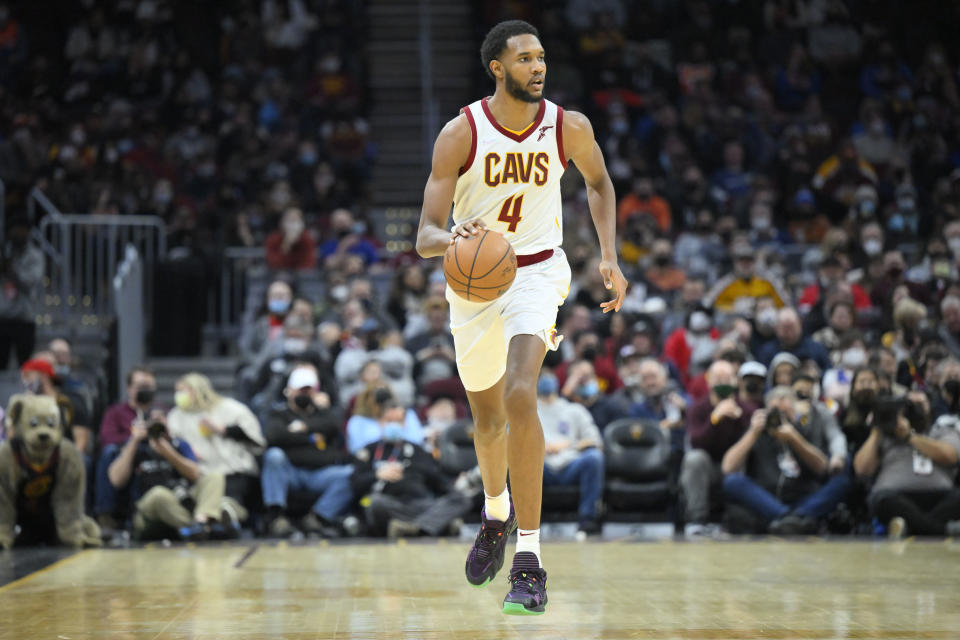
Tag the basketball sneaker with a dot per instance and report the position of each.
(486, 554)
(528, 587)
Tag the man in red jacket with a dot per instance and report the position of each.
(714, 424)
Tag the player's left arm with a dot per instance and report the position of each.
(582, 149)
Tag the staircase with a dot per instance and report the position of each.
(221, 372)
(420, 75)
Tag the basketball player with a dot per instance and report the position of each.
(499, 162)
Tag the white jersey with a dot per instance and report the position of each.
(512, 180)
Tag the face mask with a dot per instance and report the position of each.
(954, 244)
(854, 358)
(767, 318)
(547, 386)
(308, 158)
(278, 307)
(895, 272)
(699, 322)
(753, 387)
(393, 431)
(182, 399)
(865, 397)
(867, 208)
(144, 396)
(589, 389)
(940, 269)
(802, 395)
(661, 260)
(760, 224)
(62, 369)
(340, 293)
(631, 382)
(34, 386)
(302, 401)
(723, 391)
(293, 228)
(872, 247)
(294, 345)
(590, 353)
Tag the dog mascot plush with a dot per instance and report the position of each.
(41, 479)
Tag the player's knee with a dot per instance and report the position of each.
(520, 399)
(490, 427)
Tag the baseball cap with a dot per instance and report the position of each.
(302, 377)
(752, 368)
(41, 366)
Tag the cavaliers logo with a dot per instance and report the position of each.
(38, 487)
(543, 132)
(636, 431)
(554, 339)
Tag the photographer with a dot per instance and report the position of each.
(173, 498)
(777, 469)
(714, 424)
(914, 468)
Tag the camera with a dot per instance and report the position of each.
(156, 429)
(774, 419)
(885, 414)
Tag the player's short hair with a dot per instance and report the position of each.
(496, 40)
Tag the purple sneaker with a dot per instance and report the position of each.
(528, 587)
(486, 554)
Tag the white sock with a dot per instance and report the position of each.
(529, 540)
(497, 507)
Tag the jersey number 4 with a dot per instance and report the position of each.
(512, 219)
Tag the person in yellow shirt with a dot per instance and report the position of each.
(739, 290)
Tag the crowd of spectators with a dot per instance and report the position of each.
(789, 221)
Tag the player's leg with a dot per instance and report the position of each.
(525, 453)
(497, 520)
(490, 438)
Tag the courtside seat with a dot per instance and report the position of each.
(637, 455)
(455, 448)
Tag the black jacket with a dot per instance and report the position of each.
(422, 476)
(321, 445)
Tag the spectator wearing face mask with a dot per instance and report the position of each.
(573, 450)
(841, 320)
(269, 324)
(115, 430)
(688, 346)
(581, 385)
(739, 290)
(21, 277)
(347, 239)
(778, 470)
(753, 377)
(306, 452)
(662, 275)
(914, 466)
(643, 200)
(763, 233)
(223, 433)
(714, 424)
(587, 346)
(790, 339)
(829, 274)
(402, 486)
(864, 390)
(947, 400)
(364, 426)
(894, 276)
(291, 246)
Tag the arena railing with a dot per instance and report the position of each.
(84, 252)
(227, 303)
(129, 306)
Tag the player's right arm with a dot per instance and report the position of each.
(450, 153)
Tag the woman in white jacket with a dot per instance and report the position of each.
(224, 434)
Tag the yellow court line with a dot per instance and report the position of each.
(56, 565)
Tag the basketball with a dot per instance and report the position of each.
(480, 268)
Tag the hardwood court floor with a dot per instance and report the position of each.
(688, 591)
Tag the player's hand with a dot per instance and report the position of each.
(613, 279)
(467, 229)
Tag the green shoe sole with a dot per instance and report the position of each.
(481, 585)
(517, 609)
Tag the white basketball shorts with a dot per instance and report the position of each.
(482, 330)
